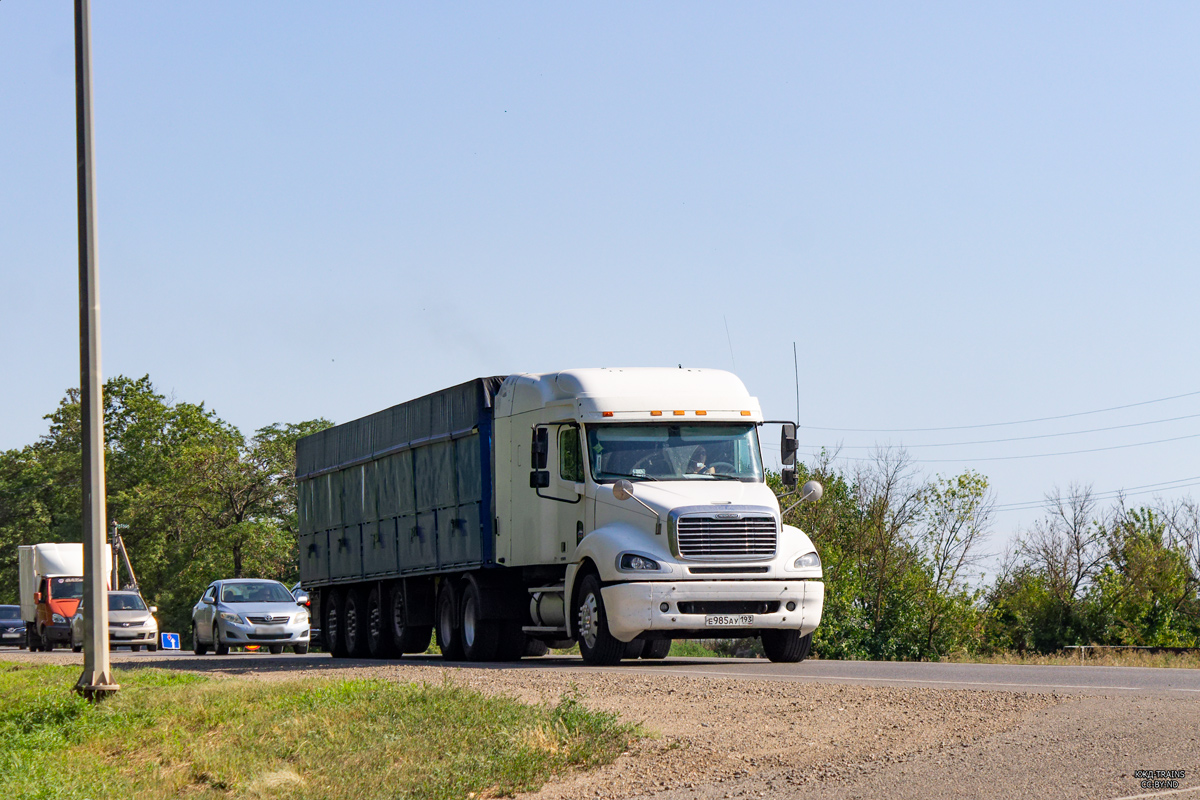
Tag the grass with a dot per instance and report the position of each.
(1097, 658)
(168, 735)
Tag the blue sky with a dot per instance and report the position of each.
(963, 213)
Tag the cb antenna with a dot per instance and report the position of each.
(796, 366)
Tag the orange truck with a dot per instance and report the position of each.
(51, 578)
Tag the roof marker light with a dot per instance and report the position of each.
(745, 413)
(656, 413)
(606, 413)
(701, 413)
(678, 413)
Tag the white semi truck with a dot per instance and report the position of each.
(620, 508)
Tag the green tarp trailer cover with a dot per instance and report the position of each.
(407, 490)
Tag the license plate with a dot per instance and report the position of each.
(124, 635)
(729, 620)
(269, 629)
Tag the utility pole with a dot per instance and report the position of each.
(96, 680)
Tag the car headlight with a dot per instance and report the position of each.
(59, 618)
(300, 618)
(808, 561)
(229, 616)
(150, 623)
(632, 561)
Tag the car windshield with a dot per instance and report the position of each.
(66, 588)
(264, 592)
(666, 452)
(125, 602)
(10, 612)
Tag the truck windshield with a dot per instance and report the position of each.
(666, 452)
(66, 588)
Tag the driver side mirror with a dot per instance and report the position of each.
(207, 600)
(153, 609)
(787, 454)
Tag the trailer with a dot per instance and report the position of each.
(620, 508)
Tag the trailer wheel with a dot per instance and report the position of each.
(597, 646)
(449, 627)
(380, 643)
(786, 646)
(656, 649)
(331, 620)
(406, 638)
(480, 637)
(198, 647)
(354, 623)
(513, 644)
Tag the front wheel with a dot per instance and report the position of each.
(300, 649)
(219, 648)
(275, 649)
(786, 647)
(135, 647)
(597, 646)
(198, 647)
(76, 648)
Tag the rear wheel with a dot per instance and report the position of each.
(786, 646)
(153, 648)
(379, 629)
(480, 637)
(331, 623)
(406, 638)
(656, 649)
(198, 647)
(449, 628)
(135, 647)
(218, 648)
(597, 646)
(354, 621)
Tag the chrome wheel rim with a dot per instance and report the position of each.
(589, 619)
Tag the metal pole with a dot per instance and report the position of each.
(96, 680)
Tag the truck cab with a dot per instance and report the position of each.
(57, 599)
(647, 486)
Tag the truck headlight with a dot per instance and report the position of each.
(808, 561)
(632, 562)
(59, 618)
(229, 616)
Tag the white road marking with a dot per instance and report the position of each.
(1159, 794)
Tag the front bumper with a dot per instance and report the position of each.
(57, 633)
(126, 636)
(12, 636)
(242, 634)
(636, 608)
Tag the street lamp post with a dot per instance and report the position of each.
(96, 680)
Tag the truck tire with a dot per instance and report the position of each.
(536, 648)
(656, 649)
(449, 623)
(354, 623)
(406, 638)
(380, 643)
(634, 649)
(198, 647)
(331, 623)
(597, 646)
(480, 637)
(513, 644)
(218, 648)
(786, 647)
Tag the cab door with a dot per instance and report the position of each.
(557, 481)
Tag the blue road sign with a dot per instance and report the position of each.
(170, 641)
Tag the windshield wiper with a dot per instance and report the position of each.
(721, 476)
(623, 475)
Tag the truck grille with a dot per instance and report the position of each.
(713, 539)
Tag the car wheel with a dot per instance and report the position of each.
(76, 648)
(153, 648)
(656, 649)
(480, 637)
(275, 649)
(219, 648)
(135, 647)
(449, 628)
(354, 623)
(786, 647)
(198, 647)
(300, 649)
(597, 646)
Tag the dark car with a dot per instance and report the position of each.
(12, 627)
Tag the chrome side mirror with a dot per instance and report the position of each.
(623, 490)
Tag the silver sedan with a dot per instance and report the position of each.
(249, 613)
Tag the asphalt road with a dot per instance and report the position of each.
(997, 677)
